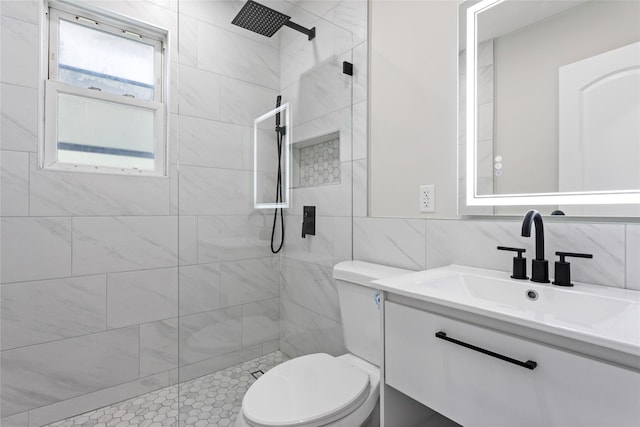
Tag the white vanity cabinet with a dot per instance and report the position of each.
(477, 389)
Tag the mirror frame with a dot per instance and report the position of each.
(472, 198)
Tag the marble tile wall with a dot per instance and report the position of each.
(228, 304)
(418, 244)
(324, 100)
(100, 274)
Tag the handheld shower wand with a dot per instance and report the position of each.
(278, 100)
(280, 131)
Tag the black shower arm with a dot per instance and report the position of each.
(309, 32)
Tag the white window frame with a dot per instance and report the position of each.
(109, 22)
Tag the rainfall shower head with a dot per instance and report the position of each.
(265, 21)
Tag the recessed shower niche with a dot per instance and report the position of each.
(280, 165)
(316, 161)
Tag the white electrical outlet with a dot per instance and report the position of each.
(428, 198)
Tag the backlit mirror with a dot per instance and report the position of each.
(550, 105)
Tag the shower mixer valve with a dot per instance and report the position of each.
(309, 221)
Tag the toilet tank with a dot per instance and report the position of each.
(360, 306)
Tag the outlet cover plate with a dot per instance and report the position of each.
(428, 198)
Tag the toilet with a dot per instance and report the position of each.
(320, 389)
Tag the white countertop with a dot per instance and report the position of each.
(600, 315)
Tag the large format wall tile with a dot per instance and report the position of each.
(474, 243)
(158, 346)
(24, 10)
(360, 74)
(188, 39)
(35, 248)
(222, 238)
(342, 239)
(304, 332)
(232, 194)
(318, 248)
(394, 242)
(304, 17)
(260, 322)
(324, 90)
(214, 364)
(242, 102)
(199, 288)
(350, 14)
(19, 118)
(97, 399)
(141, 296)
(20, 52)
(67, 193)
(214, 144)
(311, 286)
(329, 200)
(249, 280)
(633, 255)
(188, 236)
(220, 13)
(110, 244)
(19, 420)
(318, 8)
(14, 176)
(293, 322)
(210, 334)
(48, 310)
(324, 335)
(174, 177)
(241, 58)
(199, 93)
(360, 141)
(606, 242)
(300, 57)
(360, 206)
(42, 374)
(336, 121)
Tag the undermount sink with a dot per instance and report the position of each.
(599, 315)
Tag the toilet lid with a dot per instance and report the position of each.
(308, 390)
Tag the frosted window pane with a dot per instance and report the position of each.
(93, 58)
(87, 135)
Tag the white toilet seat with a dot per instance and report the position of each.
(308, 391)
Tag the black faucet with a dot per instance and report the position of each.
(539, 265)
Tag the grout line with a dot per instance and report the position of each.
(139, 351)
(106, 301)
(104, 331)
(625, 255)
(29, 183)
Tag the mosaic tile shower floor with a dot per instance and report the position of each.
(212, 400)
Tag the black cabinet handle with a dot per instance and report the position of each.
(529, 364)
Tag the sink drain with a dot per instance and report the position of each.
(532, 295)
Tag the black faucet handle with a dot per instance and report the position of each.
(562, 255)
(563, 268)
(519, 262)
(519, 250)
